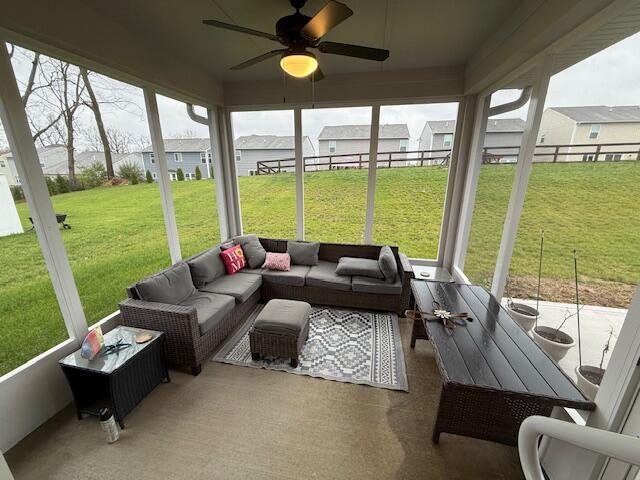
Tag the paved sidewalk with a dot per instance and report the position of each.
(595, 323)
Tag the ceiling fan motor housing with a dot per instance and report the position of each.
(288, 31)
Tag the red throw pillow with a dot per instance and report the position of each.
(233, 259)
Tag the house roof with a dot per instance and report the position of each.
(601, 113)
(182, 145)
(494, 125)
(344, 132)
(266, 142)
(84, 160)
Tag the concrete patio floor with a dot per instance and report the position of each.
(237, 422)
(595, 324)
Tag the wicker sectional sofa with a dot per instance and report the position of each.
(204, 308)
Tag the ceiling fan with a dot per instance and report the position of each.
(298, 32)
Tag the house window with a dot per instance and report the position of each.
(17, 179)
(251, 172)
(177, 157)
(238, 155)
(2, 164)
(204, 156)
(542, 138)
(595, 131)
(152, 157)
(447, 140)
(588, 157)
(612, 157)
(403, 145)
(172, 176)
(154, 175)
(42, 164)
(332, 146)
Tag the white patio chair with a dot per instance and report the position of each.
(614, 445)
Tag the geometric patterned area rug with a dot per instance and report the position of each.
(344, 345)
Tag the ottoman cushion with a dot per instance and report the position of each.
(284, 317)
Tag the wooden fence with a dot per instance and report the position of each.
(586, 152)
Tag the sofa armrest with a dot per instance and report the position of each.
(180, 323)
(406, 274)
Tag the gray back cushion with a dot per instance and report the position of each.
(171, 286)
(359, 266)
(388, 265)
(206, 267)
(253, 250)
(303, 253)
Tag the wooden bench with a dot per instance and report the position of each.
(493, 374)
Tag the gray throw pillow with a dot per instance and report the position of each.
(388, 265)
(253, 250)
(172, 286)
(303, 253)
(206, 267)
(364, 267)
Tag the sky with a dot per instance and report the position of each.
(610, 77)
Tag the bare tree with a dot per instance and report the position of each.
(95, 108)
(40, 119)
(121, 141)
(186, 133)
(66, 97)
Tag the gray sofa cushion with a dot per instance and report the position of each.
(240, 285)
(373, 285)
(294, 277)
(210, 307)
(324, 275)
(359, 266)
(388, 265)
(206, 267)
(303, 253)
(253, 250)
(284, 317)
(172, 285)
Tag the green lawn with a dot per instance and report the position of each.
(118, 233)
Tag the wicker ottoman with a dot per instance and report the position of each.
(280, 330)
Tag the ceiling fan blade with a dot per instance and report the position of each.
(357, 51)
(258, 59)
(332, 14)
(249, 31)
(316, 76)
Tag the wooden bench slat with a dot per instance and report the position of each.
(519, 362)
(497, 350)
(472, 355)
(554, 376)
(447, 350)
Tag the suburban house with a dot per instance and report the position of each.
(591, 125)
(350, 139)
(87, 159)
(54, 162)
(8, 168)
(501, 132)
(250, 149)
(183, 153)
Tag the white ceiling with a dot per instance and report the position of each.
(419, 34)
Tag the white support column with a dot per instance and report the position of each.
(521, 179)
(373, 170)
(299, 162)
(471, 181)
(14, 120)
(455, 182)
(5, 473)
(166, 197)
(218, 170)
(233, 190)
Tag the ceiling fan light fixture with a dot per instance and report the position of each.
(299, 64)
